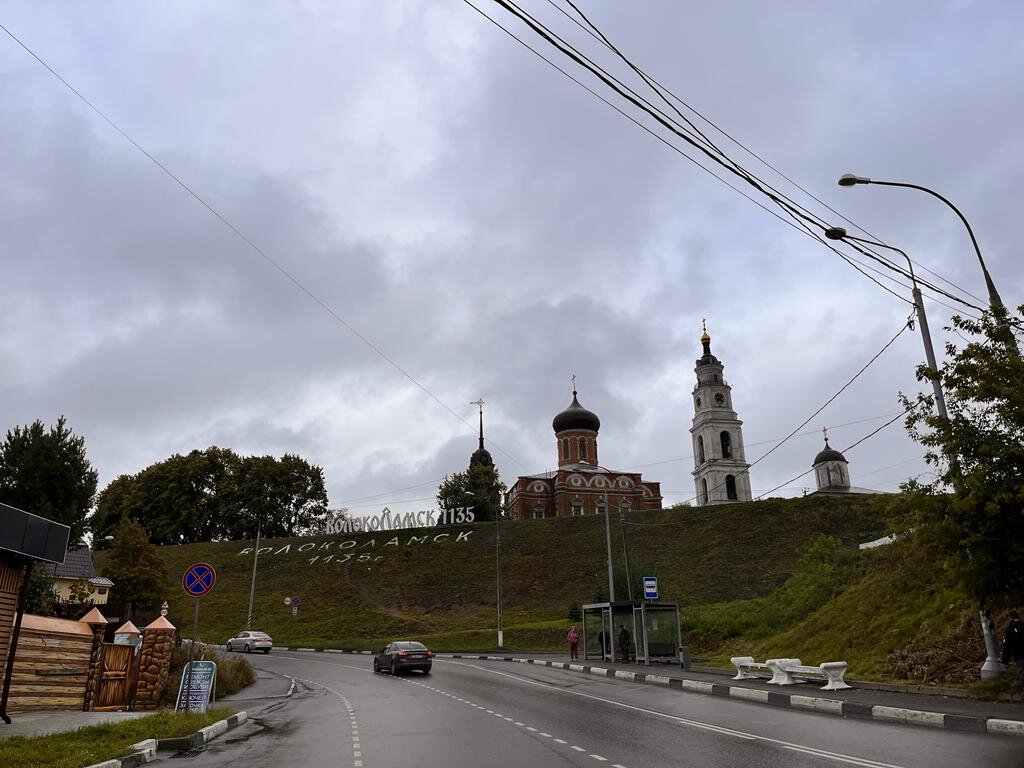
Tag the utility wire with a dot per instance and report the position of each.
(847, 448)
(797, 212)
(594, 31)
(242, 236)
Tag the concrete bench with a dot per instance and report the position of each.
(748, 669)
(791, 671)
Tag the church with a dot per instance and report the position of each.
(580, 486)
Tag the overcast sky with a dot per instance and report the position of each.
(485, 223)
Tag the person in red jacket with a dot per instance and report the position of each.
(574, 643)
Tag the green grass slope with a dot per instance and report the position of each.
(359, 590)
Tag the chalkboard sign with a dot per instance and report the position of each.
(198, 686)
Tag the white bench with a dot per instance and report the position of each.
(792, 671)
(748, 669)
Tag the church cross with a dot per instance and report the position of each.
(824, 431)
(478, 403)
(574, 384)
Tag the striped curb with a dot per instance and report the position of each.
(852, 709)
(145, 751)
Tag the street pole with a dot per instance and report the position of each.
(608, 542)
(252, 584)
(625, 552)
(192, 657)
(497, 572)
(838, 233)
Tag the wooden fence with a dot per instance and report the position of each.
(51, 665)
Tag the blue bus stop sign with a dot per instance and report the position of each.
(650, 587)
(198, 579)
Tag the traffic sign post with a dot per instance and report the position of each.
(650, 587)
(197, 580)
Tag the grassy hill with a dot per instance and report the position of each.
(359, 590)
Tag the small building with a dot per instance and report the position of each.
(832, 472)
(78, 572)
(580, 486)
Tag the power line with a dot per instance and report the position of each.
(658, 87)
(847, 448)
(242, 236)
(800, 215)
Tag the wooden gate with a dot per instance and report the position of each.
(116, 679)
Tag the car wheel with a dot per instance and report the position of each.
(266, 650)
(394, 669)
(228, 647)
(426, 671)
(247, 649)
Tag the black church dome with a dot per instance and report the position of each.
(828, 453)
(576, 417)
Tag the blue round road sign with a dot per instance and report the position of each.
(198, 579)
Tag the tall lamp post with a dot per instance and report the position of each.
(996, 303)
(838, 233)
(252, 583)
(992, 666)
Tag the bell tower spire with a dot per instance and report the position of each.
(481, 456)
(721, 473)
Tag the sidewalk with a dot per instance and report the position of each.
(934, 710)
(267, 686)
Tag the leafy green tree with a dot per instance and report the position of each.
(478, 488)
(40, 599)
(216, 494)
(971, 514)
(135, 567)
(46, 472)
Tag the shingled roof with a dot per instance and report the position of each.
(77, 564)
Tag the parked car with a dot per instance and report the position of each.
(404, 654)
(250, 641)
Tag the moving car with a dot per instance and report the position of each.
(404, 654)
(251, 640)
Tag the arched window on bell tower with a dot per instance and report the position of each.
(700, 449)
(730, 487)
(703, 491)
(726, 445)
(583, 448)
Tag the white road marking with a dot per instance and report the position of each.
(849, 759)
(601, 759)
(578, 749)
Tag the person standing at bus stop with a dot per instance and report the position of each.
(625, 641)
(574, 643)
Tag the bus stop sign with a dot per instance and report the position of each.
(650, 587)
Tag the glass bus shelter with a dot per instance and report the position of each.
(653, 628)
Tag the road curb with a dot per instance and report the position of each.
(839, 707)
(145, 751)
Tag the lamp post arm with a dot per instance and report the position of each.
(993, 295)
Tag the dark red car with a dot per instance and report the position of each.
(402, 655)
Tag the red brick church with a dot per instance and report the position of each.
(580, 485)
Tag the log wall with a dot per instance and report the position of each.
(51, 665)
(10, 584)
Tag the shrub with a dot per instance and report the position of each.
(234, 672)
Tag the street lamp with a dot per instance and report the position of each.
(838, 233)
(497, 567)
(252, 584)
(996, 303)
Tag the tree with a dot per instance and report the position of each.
(478, 488)
(135, 567)
(978, 451)
(47, 473)
(216, 494)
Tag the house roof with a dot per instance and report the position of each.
(77, 564)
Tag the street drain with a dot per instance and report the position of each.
(189, 752)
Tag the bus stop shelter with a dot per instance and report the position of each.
(653, 627)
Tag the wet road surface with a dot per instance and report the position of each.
(479, 713)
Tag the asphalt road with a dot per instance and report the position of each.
(498, 715)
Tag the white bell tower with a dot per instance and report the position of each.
(720, 470)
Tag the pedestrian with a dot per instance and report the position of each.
(625, 641)
(602, 639)
(1013, 640)
(574, 643)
